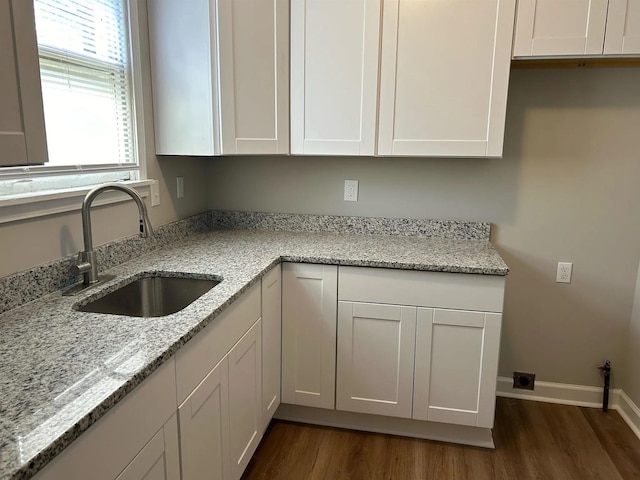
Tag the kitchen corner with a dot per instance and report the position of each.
(62, 369)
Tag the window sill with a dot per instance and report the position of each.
(32, 205)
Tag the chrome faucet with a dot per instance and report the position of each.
(87, 262)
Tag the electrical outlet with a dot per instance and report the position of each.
(526, 381)
(180, 187)
(563, 275)
(351, 190)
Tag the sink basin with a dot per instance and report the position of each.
(152, 295)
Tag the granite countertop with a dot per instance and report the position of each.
(61, 369)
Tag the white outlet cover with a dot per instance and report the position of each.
(351, 190)
(563, 274)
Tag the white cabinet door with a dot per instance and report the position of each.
(623, 28)
(245, 399)
(271, 343)
(183, 46)
(376, 345)
(444, 77)
(334, 76)
(219, 70)
(309, 304)
(159, 459)
(204, 427)
(560, 27)
(254, 76)
(456, 366)
(22, 131)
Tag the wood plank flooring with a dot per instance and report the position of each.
(534, 440)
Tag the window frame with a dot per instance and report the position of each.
(49, 202)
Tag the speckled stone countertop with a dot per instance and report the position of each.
(61, 369)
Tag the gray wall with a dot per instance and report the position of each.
(566, 190)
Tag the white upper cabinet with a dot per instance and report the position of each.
(22, 133)
(334, 76)
(623, 28)
(560, 27)
(254, 76)
(547, 28)
(443, 68)
(220, 76)
(444, 77)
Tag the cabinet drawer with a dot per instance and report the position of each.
(196, 359)
(423, 289)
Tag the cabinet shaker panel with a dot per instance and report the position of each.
(560, 27)
(22, 129)
(309, 309)
(376, 346)
(623, 28)
(444, 77)
(334, 76)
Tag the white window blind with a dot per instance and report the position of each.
(86, 84)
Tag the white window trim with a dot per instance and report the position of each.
(39, 204)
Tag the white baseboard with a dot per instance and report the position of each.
(577, 395)
(566, 394)
(629, 412)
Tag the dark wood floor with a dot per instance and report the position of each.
(533, 441)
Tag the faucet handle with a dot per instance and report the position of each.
(81, 267)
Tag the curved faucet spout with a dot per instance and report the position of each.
(87, 263)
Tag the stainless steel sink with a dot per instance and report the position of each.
(152, 295)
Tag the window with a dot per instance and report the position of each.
(85, 67)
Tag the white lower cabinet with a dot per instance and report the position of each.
(221, 415)
(456, 366)
(221, 422)
(159, 459)
(271, 343)
(245, 399)
(309, 304)
(136, 439)
(428, 350)
(204, 427)
(376, 346)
